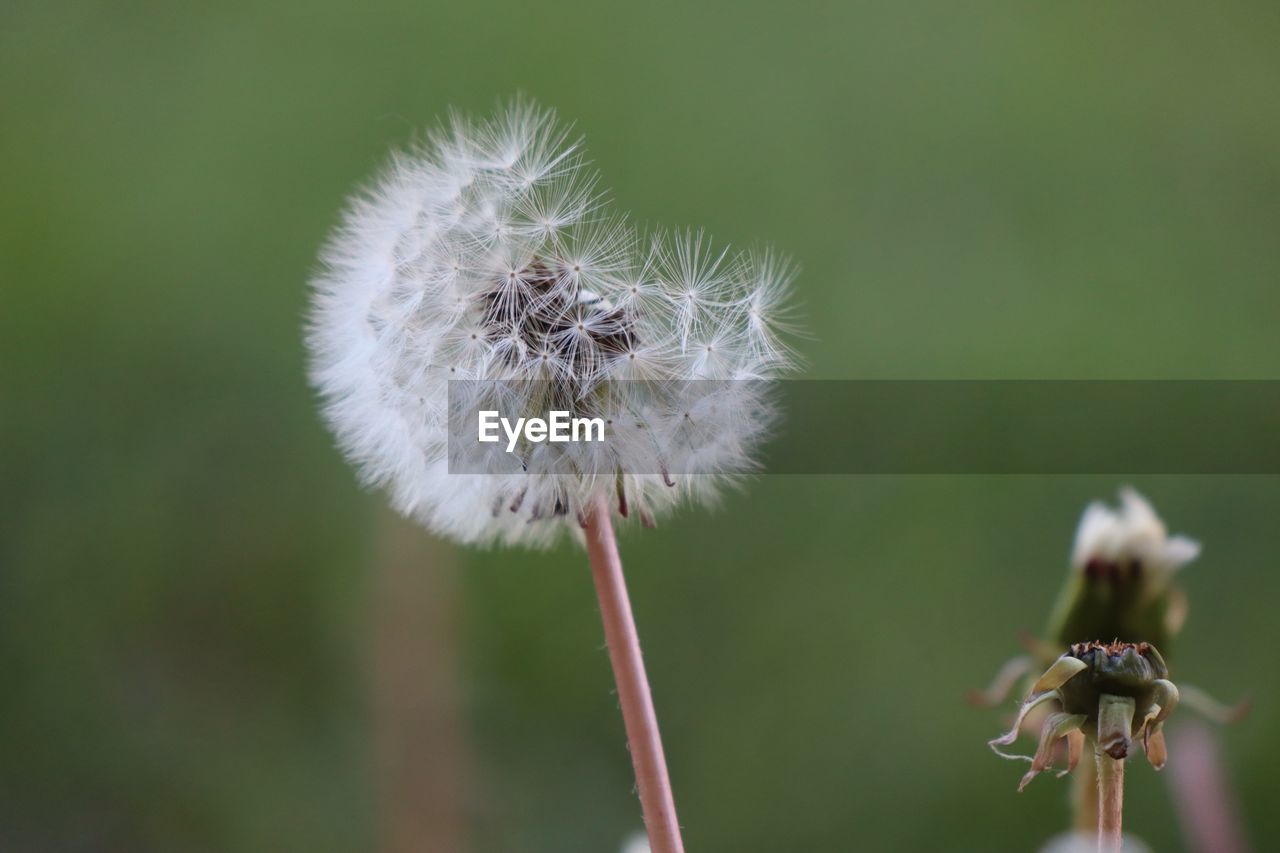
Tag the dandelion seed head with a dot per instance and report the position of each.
(489, 253)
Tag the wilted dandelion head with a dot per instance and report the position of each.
(1109, 694)
(489, 254)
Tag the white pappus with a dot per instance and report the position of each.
(488, 253)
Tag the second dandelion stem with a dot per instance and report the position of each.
(1110, 801)
(641, 722)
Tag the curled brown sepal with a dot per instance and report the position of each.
(1044, 690)
(1165, 699)
(1056, 726)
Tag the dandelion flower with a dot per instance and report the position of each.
(1122, 579)
(1130, 540)
(485, 267)
(489, 254)
(1121, 584)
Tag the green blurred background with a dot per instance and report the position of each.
(212, 640)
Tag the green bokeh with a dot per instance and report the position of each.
(1000, 190)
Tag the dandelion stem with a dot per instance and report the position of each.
(656, 801)
(1110, 801)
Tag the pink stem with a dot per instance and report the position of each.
(1110, 802)
(1207, 805)
(656, 801)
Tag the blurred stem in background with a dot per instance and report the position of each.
(419, 736)
(1084, 799)
(1206, 800)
